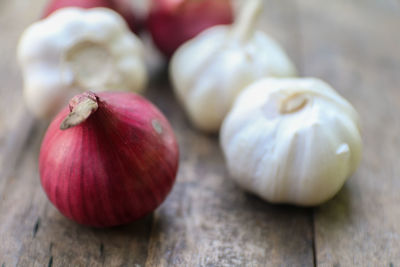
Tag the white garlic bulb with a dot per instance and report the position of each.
(76, 50)
(210, 70)
(291, 140)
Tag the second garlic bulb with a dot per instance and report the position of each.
(75, 50)
(210, 70)
(291, 140)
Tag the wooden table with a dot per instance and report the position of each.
(207, 220)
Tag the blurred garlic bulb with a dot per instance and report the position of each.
(76, 50)
(291, 140)
(210, 70)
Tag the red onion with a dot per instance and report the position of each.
(173, 22)
(123, 7)
(114, 162)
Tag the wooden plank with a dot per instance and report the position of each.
(32, 231)
(208, 220)
(225, 226)
(354, 46)
(14, 17)
(15, 121)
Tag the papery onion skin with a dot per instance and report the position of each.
(172, 22)
(113, 168)
(120, 6)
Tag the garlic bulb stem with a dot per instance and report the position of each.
(293, 103)
(245, 25)
(81, 109)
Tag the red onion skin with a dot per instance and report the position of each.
(122, 7)
(113, 168)
(173, 22)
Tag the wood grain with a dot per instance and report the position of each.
(32, 231)
(354, 46)
(15, 122)
(207, 220)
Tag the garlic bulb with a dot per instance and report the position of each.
(291, 140)
(75, 50)
(210, 70)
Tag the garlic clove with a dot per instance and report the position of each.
(209, 71)
(291, 140)
(75, 50)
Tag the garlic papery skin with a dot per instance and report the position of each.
(291, 140)
(75, 50)
(209, 71)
